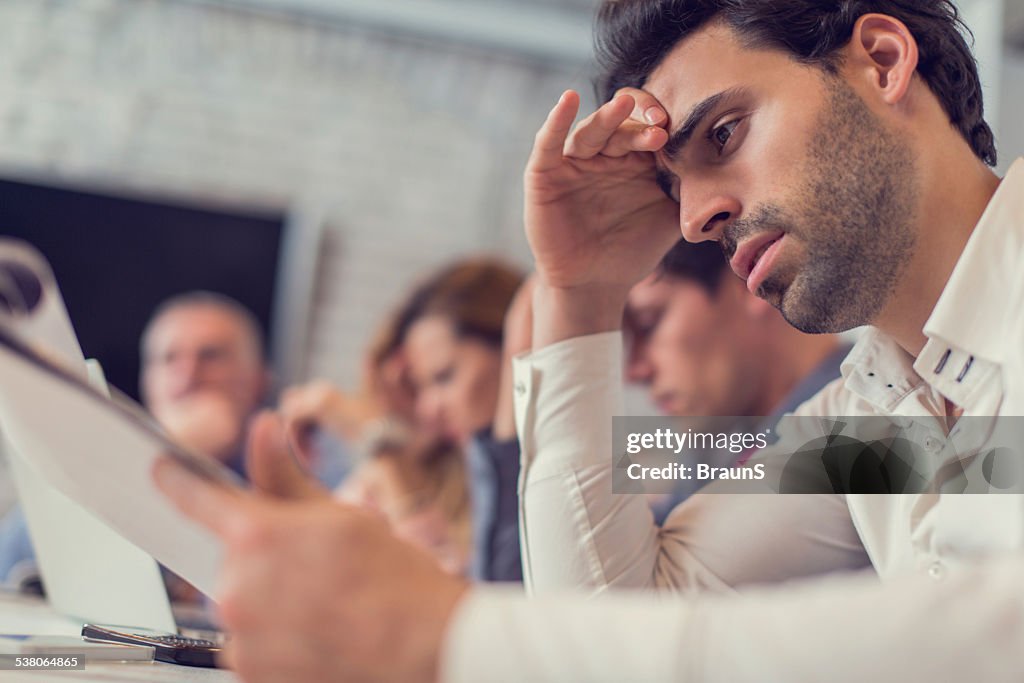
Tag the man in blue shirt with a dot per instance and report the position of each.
(705, 346)
(701, 344)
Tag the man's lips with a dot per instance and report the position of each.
(665, 401)
(752, 253)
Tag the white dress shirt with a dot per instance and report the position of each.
(950, 605)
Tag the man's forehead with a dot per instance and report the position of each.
(648, 292)
(659, 288)
(709, 62)
(196, 324)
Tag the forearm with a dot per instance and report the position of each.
(575, 533)
(841, 629)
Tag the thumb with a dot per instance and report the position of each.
(271, 465)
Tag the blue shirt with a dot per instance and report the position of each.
(826, 371)
(493, 468)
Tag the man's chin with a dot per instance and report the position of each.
(773, 292)
(798, 307)
(681, 408)
(811, 318)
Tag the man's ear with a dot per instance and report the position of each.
(883, 50)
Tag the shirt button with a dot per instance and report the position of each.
(932, 445)
(936, 570)
(520, 388)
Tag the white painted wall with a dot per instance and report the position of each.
(1002, 74)
(986, 21)
(416, 148)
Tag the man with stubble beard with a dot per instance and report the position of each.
(838, 152)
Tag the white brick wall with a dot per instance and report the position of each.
(416, 148)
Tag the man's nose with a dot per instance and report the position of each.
(639, 369)
(429, 413)
(705, 210)
(187, 370)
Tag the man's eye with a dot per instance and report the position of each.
(644, 327)
(444, 376)
(212, 355)
(720, 135)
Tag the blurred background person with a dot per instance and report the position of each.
(437, 389)
(452, 332)
(204, 373)
(410, 475)
(703, 345)
(203, 376)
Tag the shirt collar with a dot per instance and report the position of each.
(879, 370)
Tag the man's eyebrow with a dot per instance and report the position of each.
(681, 137)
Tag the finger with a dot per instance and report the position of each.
(299, 404)
(265, 452)
(593, 133)
(213, 506)
(633, 137)
(646, 108)
(289, 400)
(302, 483)
(550, 139)
(299, 437)
(227, 658)
(270, 462)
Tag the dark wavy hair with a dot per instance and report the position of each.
(701, 262)
(634, 36)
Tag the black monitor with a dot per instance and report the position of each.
(116, 258)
